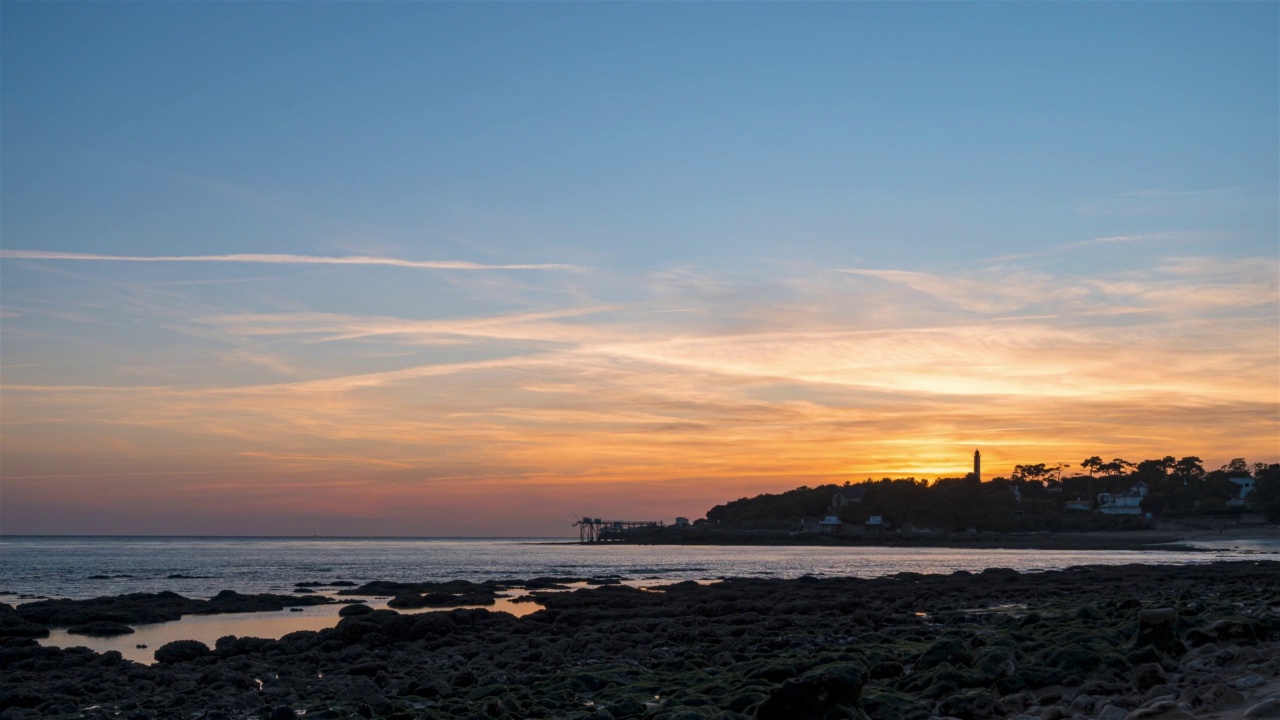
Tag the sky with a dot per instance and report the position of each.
(478, 269)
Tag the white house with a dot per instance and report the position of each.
(1247, 485)
(1128, 502)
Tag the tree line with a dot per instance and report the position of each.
(1035, 497)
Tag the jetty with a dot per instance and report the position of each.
(593, 530)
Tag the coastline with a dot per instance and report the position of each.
(992, 644)
(1155, 539)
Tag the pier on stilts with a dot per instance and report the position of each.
(592, 530)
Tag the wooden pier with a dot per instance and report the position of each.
(592, 530)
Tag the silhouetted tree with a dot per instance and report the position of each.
(1188, 468)
(1093, 464)
(1238, 467)
(1265, 497)
(1117, 466)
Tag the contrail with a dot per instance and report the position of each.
(280, 259)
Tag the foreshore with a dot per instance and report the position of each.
(1112, 642)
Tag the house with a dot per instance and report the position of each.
(1247, 485)
(1128, 502)
(829, 525)
(1077, 505)
(845, 495)
(682, 522)
(877, 522)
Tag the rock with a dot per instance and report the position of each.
(1160, 710)
(101, 628)
(181, 651)
(1215, 697)
(14, 625)
(1074, 660)
(886, 670)
(1157, 627)
(830, 691)
(1111, 712)
(949, 650)
(1232, 630)
(1249, 682)
(1148, 676)
(1269, 708)
(972, 705)
(355, 609)
(283, 712)
(1088, 612)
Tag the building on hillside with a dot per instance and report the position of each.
(1128, 502)
(846, 495)
(829, 525)
(877, 522)
(1247, 485)
(682, 522)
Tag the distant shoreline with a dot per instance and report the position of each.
(1169, 540)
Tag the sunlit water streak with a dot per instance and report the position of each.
(64, 566)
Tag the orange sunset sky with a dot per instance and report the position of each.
(481, 269)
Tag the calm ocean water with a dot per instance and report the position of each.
(66, 566)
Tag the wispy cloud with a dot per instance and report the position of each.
(283, 259)
(1159, 200)
(756, 384)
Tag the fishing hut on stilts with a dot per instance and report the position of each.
(594, 530)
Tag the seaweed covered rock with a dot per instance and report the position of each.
(181, 651)
(949, 650)
(1158, 627)
(101, 628)
(355, 609)
(829, 692)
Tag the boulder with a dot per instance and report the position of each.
(1160, 710)
(355, 609)
(1148, 675)
(1215, 697)
(824, 693)
(1269, 708)
(181, 651)
(101, 628)
(1228, 630)
(949, 650)
(972, 705)
(1158, 627)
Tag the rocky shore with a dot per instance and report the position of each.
(1139, 642)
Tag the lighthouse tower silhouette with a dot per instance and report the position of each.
(977, 466)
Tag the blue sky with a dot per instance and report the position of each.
(636, 135)
(1101, 177)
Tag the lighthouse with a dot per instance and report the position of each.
(977, 466)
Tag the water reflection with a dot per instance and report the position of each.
(272, 625)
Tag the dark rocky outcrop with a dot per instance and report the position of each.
(907, 647)
(139, 608)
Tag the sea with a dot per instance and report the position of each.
(83, 567)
